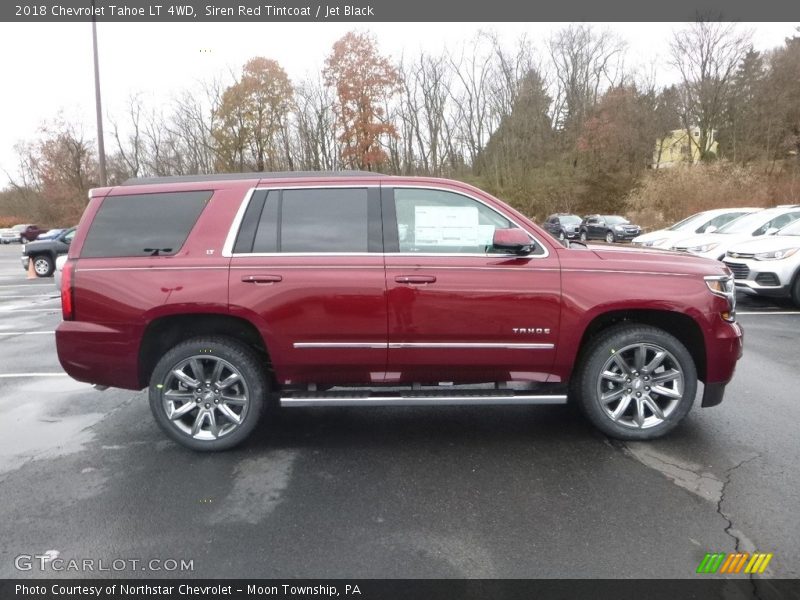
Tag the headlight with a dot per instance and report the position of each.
(618, 227)
(776, 254)
(702, 249)
(722, 285)
(654, 242)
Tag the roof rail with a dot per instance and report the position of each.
(254, 175)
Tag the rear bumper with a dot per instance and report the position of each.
(99, 354)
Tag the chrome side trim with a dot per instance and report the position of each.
(407, 345)
(454, 400)
(472, 345)
(230, 239)
(227, 248)
(376, 345)
(208, 268)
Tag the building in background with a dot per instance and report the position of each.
(678, 147)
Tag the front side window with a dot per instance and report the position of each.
(143, 224)
(438, 221)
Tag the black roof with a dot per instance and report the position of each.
(256, 175)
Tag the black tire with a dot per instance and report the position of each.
(43, 265)
(796, 290)
(254, 387)
(562, 236)
(610, 237)
(584, 236)
(615, 342)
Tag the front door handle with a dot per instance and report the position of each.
(261, 278)
(415, 279)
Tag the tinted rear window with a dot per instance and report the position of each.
(312, 220)
(143, 224)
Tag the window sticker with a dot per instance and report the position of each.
(447, 226)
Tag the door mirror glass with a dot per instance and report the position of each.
(710, 229)
(771, 231)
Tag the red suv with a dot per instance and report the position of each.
(221, 293)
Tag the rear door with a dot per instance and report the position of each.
(459, 310)
(307, 266)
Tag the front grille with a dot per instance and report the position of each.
(739, 270)
(740, 255)
(768, 279)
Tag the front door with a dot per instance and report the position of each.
(459, 310)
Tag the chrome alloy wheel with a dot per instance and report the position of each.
(205, 397)
(640, 385)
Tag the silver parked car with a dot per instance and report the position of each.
(703, 222)
(768, 266)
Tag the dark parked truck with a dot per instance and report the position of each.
(221, 294)
(44, 253)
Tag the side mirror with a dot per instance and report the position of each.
(710, 229)
(771, 231)
(513, 240)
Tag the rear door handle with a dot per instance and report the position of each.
(261, 278)
(415, 279)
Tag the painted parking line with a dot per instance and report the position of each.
(27, 332)
(21, 375)
(19, 310)
(27, 285)
(54, 295)
(770, 312)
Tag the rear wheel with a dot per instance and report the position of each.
(636, 382)
(43, 265)
(583, 236)
(561, 235)
(610, 237)
(208, 393)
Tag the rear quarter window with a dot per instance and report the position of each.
(143, 224)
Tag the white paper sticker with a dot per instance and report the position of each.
(446, 226)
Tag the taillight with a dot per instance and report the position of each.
(67, 291)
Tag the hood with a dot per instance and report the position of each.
(660, 234)
(656, 261)
(723, 239)
(766, 243)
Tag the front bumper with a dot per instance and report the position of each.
(762, 278)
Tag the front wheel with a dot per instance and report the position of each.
(636, 382)
(43, 265)
(208, 393)
(561, 236)
(796, 290)
(610, 237)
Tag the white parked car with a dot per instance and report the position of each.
(8, 235)
(768, 266)
(764, 222)
(707, 221)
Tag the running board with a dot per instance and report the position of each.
(418, 399)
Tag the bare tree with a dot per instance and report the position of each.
(585, 63)
(707, 54)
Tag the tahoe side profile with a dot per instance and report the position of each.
(225, 294)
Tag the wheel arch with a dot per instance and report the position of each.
(163, 333)
(680, 325)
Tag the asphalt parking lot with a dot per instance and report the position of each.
(477, 492)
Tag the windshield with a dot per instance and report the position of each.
(793, 229)
(748, 223)
(614, 220)
(689, 223)
(19, 227)
(570, 219)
